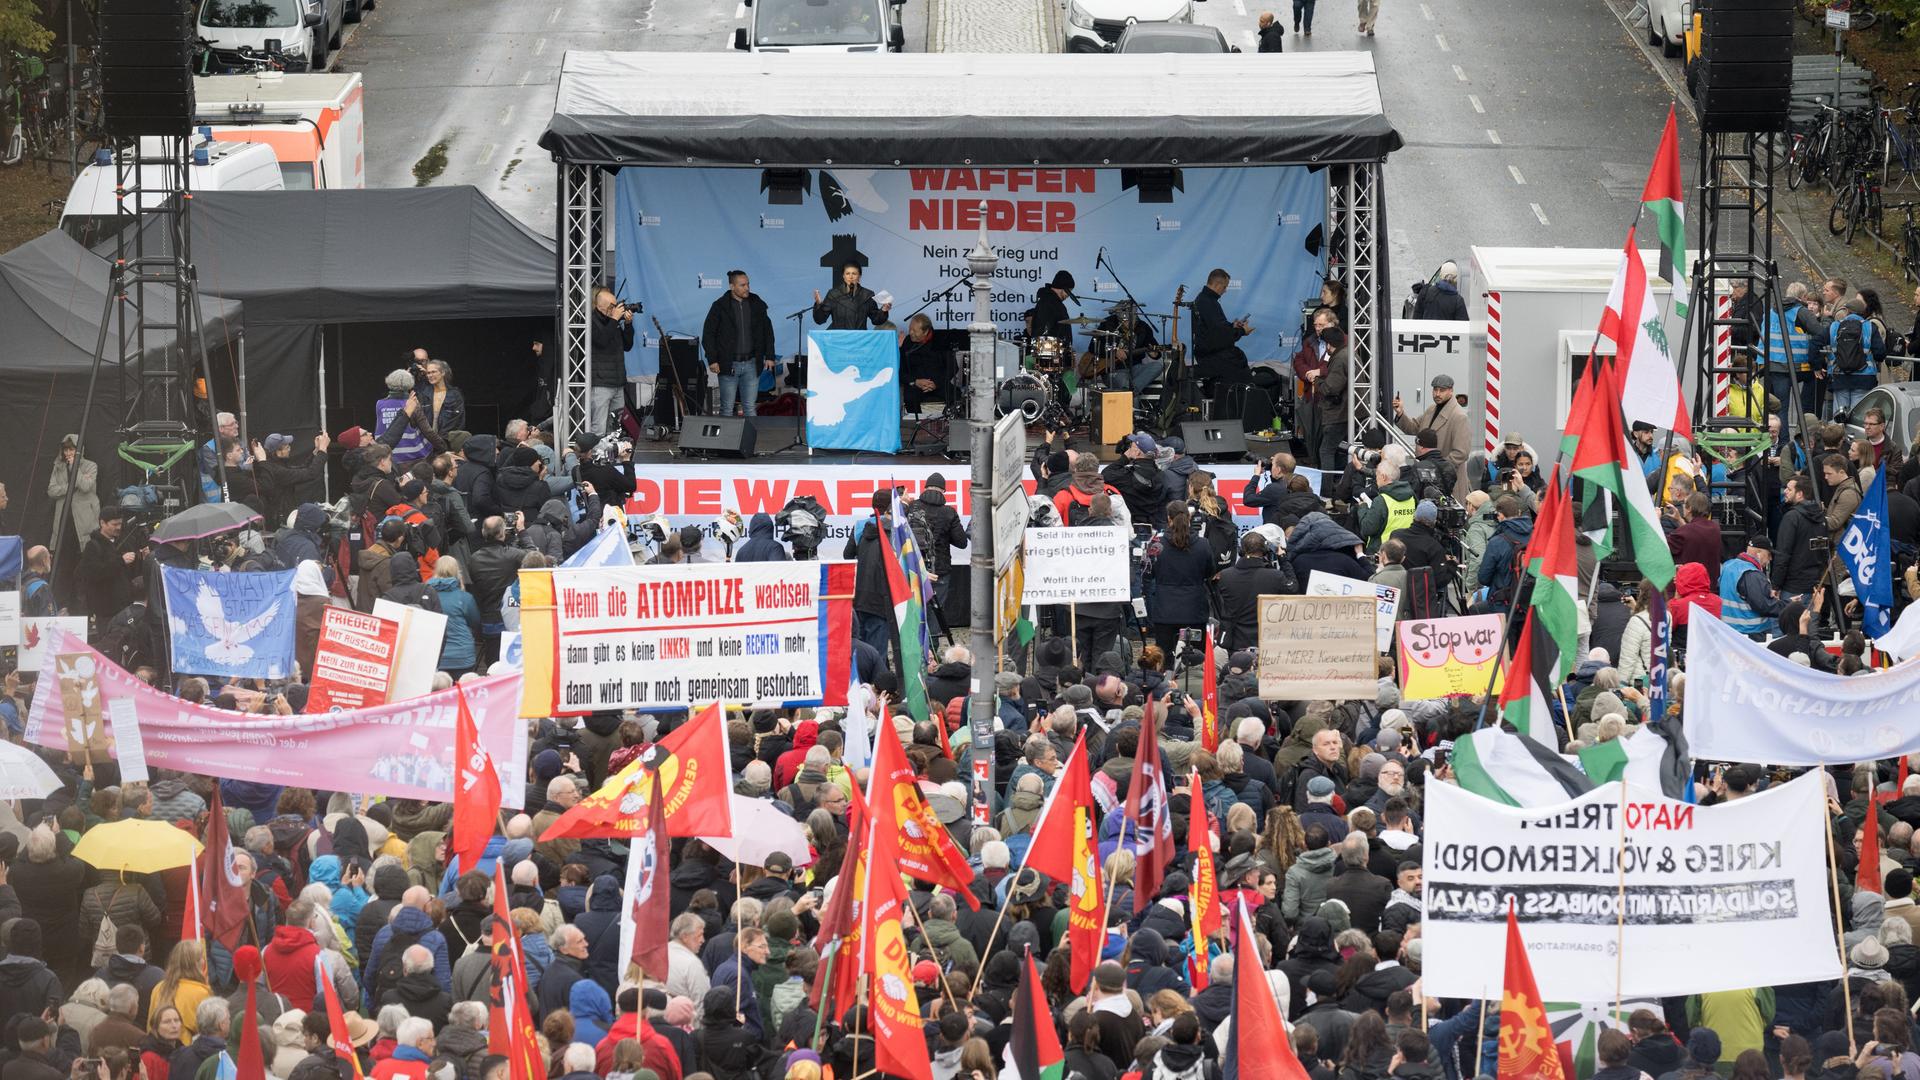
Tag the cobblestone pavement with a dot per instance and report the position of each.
(991, 26)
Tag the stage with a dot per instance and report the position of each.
(774, 444)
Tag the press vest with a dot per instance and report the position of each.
(1734, 610)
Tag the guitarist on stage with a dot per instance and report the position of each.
(1127, 365)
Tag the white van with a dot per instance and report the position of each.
(307, 30)
(92, 213)
(841, 26)
(1095, 26)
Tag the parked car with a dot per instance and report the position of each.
(1158, 37)
(848, 26)
(1095, 26)
(1667, 25)
(1900, 401)
(305, 31)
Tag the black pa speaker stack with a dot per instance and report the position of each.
(1214, 440)
(146, 67)
(1744, 73)
(721, 434)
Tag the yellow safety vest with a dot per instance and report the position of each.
(1399, 515)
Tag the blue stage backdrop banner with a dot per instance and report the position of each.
(239, 626)
(853, 391)
(678, 232)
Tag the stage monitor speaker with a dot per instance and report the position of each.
(145, 88)
(726, 434)
(959, 438)
(1743, 77)
(1214, 440)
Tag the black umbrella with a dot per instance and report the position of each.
(207, 519)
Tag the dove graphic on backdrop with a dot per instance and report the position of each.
(235, 625)
(853, 398)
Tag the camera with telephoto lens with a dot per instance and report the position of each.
(1359, 453)
(803, 521)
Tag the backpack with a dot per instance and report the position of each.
(390, 971)
(1078, 512)
(106, 941)
(1849, 354)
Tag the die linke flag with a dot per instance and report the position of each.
(893, 1012)
(224, 895)
(510, 1030)
(1064, 849)
(926, 849)
(838, 941)
(690, 762)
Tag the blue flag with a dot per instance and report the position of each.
(1866, 549)
(609, 548)
(853, 390)
(10, 563)
(1658, 655)
(239, 626)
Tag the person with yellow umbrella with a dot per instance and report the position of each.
(127, 852)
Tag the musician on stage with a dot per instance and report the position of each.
(1049, 315)
(1127, 363)
(850, 306)
(1215, 340)
(926, 369)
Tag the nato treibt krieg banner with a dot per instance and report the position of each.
(678, 231)
(662, 637)
(1717, 897)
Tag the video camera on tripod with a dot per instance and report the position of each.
(803, 522)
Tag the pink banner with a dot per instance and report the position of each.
(402, 750)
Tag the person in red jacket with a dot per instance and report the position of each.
(289, 957)
(805, 734)
(1692, 588)
(660, 1055)
(412, 1053)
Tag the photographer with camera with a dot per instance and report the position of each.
(610, 336)
(1429, 559)
(1390, 509)
(1434, 476)
(1261, 570)
(1273, 493)
(1136, 476)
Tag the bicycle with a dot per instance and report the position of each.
(210, 59)
(1859, 204)
(1908, 245)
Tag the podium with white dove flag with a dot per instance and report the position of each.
(853, 390)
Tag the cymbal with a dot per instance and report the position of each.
(1082, 320)
(1104, 333)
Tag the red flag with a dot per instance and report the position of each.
(510, 1030)
(1064, 849)
(839, 929)
(691, 761)
(1149, 825)
(225, 897)
(1258, 1041)
(1209, 698)
(190, 927)
(476, 796)
(899, 1044)
(1203, 901)
(1866, 878)
(248, 1064)
(337, 1022)
(926, 850)
(649, 900)
(1526, 1038)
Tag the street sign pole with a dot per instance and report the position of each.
(981, 262)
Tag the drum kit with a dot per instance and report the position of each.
(1037, 393)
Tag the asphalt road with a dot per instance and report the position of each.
(475, 80)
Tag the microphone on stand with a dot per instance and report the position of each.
(1098, 258)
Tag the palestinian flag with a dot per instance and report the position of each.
(1551, 559)
(1596, 505)
(1632, 321)
(1033, 1052)
(1531, 683)
(908, 613)
(1527, 1048)
(1496, 764)
(1605, 458)
(1577, 1028)
(1654, 757)
(1663, 197)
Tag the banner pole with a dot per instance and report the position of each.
(1566, 710)
(825, 984)
(1839, 932)
(1620, 945)
(935, 951)
(991, 936)
(1480, 1038)
(1073, 631)
(739, 974)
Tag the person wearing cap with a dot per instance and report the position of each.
(1008, 706)
(849, 305)
(73, 474)
(1048, 316)
(285, 483)
(937, 529)
(1440, 298)
(1136, 476)
(1448, 422)
(1748, 602)
(1120, 1024)
(1134, 369)
(1426, 548)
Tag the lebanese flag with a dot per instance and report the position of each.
(476, 801)
(1632, 321)
(1064, 849)
(227, 905)
(337, 1035)
(1149, 824)
(643, 930)
(1527, 1048)
(1203, 903)
(1209, 699)
(691, 761)
(1258, 1046)
(926, 850)
(893, 1012)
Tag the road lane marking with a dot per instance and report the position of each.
(539, 46)
(1239, 7)
(486, 153)
(1539, 213)
(1493, 137)
(1459, 73)
(1517, 178)
(1474, 100)
(1427, 12)
(554, 16)
(506, 114)
(1441, 40)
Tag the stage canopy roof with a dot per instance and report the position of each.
(616, 109)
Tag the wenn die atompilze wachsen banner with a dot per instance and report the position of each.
(1717, 898)
(670, 636)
